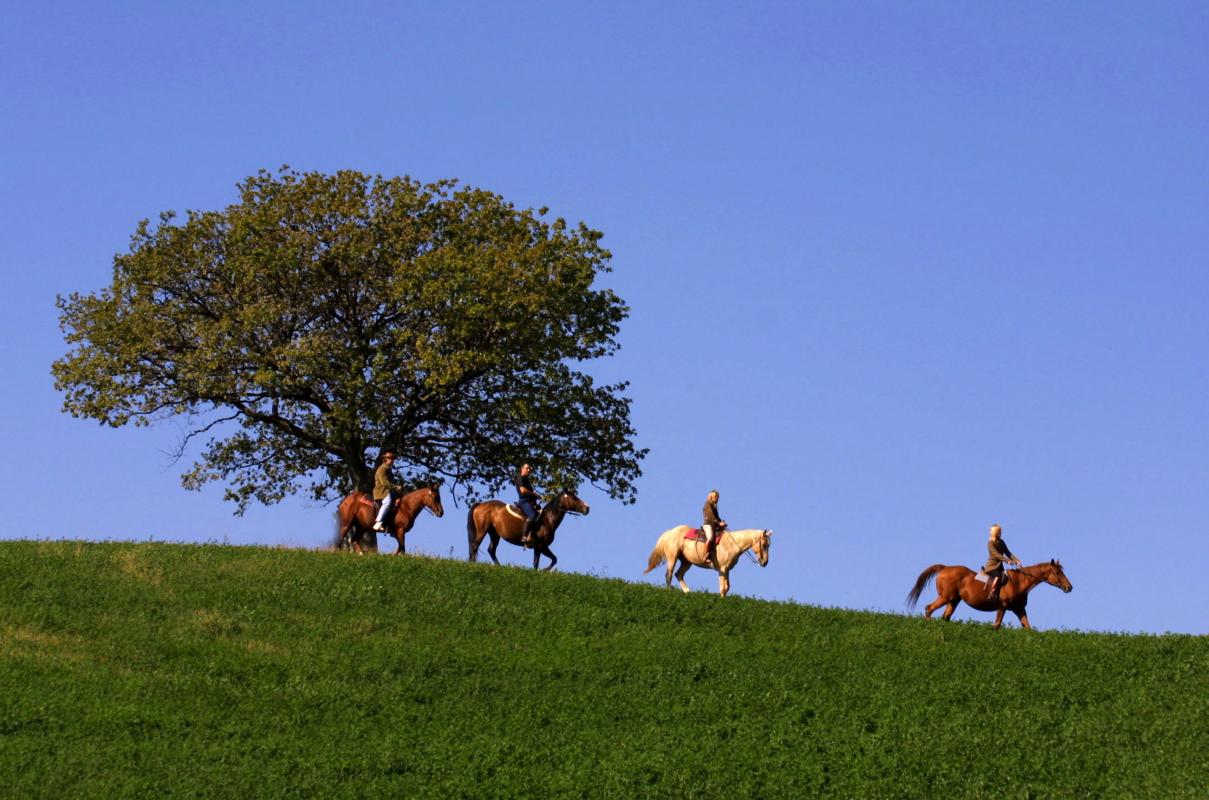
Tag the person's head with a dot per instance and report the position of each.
(996, 531)
(713, 496)
(526, 469)
(387, 457)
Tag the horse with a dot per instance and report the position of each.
(673, 546)
(357, 512)
(957, 583)
(494, 518)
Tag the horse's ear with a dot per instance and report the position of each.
(1054, 562)
(767, 532)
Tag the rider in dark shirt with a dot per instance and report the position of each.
(713, 524)
(527, 501)
(998, 555)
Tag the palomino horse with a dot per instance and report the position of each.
(493, 518)
(954, 584)
(357, 513)
(673, 546)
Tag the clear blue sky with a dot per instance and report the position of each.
(897, 270)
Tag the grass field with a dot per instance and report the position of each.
(152, 670)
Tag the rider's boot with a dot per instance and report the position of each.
(527, 536)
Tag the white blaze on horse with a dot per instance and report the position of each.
(680, 544)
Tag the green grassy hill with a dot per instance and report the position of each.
(145, 670)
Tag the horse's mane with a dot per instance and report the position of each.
(746, 533)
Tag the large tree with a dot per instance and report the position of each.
(324, 317)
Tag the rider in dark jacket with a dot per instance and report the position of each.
(713, 525)
(998, 555)
(527, 501)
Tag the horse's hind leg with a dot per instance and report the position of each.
(495, 542)
(952, 607)
(684, 568)
(931, 607)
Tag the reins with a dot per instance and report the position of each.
(746, 552)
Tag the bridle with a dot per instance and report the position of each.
(747, 552)
(1035, 576)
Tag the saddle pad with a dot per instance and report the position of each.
(512, 509)
(981, 577)
(694, 535)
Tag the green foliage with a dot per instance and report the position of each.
(326, 316)
(182, 671)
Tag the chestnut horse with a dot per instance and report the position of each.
(357, 513)
(673, 547)
(954, 584)
(492, 518)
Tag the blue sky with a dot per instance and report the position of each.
(896, 271)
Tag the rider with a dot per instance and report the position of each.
(385, 486)
(998, 554)
(527, 502)
(713, 524)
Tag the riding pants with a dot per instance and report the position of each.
(387, 502)
(525, 504)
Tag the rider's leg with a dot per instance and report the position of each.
(387, 503)
(708, 531)
(526, 505)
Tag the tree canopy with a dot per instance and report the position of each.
(323, 318)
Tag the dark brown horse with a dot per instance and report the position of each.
(357, 513)
(495, 519)
(954, 584)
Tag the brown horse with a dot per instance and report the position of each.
(357, 513)
(954, 584)
(493, 518)
(672, 546)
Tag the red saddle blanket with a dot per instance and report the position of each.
(695, 535)
(366, 500)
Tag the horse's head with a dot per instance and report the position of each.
(568, 500)
(762, 544)
(1056, 577)
(432, 500)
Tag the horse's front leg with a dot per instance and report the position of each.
(723, 582)
(402, 548)
(684, 568)
(541, 550)
(1023, 617)
(999, 617)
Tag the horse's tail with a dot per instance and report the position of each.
(924, 577)
(471, 533)
(657, 554)
(653, 561)
(341, 524)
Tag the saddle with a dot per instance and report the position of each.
(697, 535)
